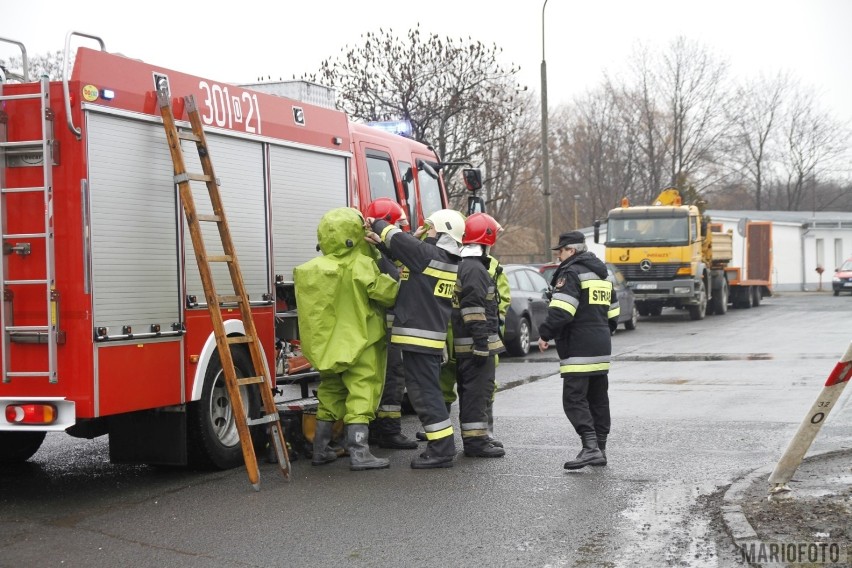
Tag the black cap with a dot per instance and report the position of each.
(572, 238)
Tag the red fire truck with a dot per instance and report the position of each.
(105, 330)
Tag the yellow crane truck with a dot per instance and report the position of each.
(673, 256)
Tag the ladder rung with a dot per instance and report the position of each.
(240, 339)
(10, 282)
(209, 218)
(184, 135)
(25, 236)
(29, 374)
(230, 299)
(26, 328)
(220, 258)
(21, 97)
(22, 144)
(181, 178)
(250, 380)
(24, 189)
(263, 419)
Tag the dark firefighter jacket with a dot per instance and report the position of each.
(475, 310)
(422, 310)
(582, 314)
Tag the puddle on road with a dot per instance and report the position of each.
(662, 528)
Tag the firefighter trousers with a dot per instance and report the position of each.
(476, 387)
(585, 401)
(353, 395)
(390, 406)
(421, 380)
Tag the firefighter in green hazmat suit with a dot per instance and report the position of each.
(341, 298)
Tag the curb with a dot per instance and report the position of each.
(735, 520)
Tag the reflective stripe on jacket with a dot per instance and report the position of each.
(422, 310)
(579, 316)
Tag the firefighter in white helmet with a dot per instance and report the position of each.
(476, 338)
(422, 316)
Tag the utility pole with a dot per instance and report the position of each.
(545, 157)
(576, 212)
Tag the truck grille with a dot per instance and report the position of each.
(657, 272)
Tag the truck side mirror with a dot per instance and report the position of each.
(472, 178)
(597, 231)
(475, 204)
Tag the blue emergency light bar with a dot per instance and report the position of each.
(401, 127)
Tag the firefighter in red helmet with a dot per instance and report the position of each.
(476, 339)
(386, 429)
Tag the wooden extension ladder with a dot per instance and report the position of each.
(261, 379)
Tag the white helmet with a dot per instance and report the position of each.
(448, 221)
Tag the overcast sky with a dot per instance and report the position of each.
(239, 41)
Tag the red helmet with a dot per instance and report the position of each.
(387, 209)
(481, 229)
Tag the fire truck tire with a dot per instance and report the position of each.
(213, 439)
(18, 447)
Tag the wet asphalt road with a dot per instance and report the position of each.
(695, 405)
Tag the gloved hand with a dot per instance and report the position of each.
(480, 358)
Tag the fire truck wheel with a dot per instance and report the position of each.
(214, 441)
(18, 447)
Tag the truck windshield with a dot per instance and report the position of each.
(647, 230)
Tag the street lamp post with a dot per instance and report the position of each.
(545, 157)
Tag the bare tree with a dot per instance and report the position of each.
(754, 113)
(692, 82)
(49, 64)
(813, 144)
(593, 157)
(445, 87)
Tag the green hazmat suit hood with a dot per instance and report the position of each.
(341, 296)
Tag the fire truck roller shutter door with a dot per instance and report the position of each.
(133, 233)
(239, 166)
(304, 186)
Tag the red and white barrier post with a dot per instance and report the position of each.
(801, 442)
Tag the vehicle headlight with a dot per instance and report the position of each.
(835, 279)
(682, 289)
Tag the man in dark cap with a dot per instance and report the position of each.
(582, 314)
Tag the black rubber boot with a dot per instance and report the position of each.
(491, 439)
(396, 442)
(438, 454)
(387, 433)
(481, 447)
(602, 448)
(589, 455)
(322, 436)
(360, 457)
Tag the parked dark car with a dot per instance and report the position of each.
(527, 310)
(629, 314)
(842, 280)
